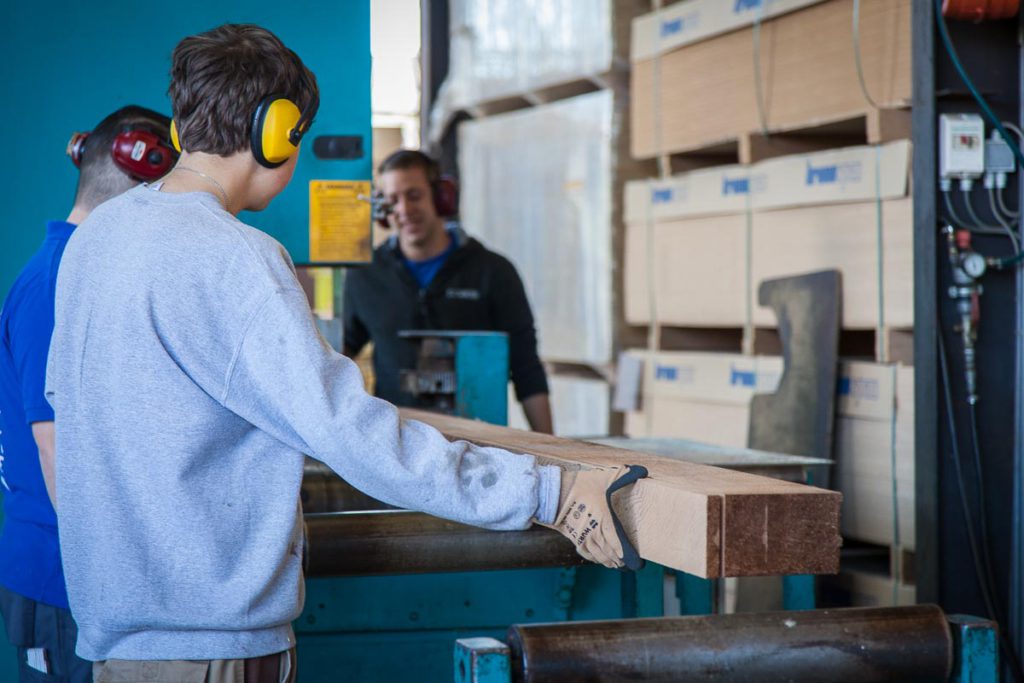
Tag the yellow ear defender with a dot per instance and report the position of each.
(277, 129)
(174, 138)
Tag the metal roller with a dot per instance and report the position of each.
(404, 542)
(324, 491)
(819, 646)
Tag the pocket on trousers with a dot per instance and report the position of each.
(27, 674)
(127, 671)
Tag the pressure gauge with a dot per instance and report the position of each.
(973, 264)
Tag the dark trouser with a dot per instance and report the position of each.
(45, 639)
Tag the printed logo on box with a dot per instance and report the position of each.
(834, 174)
(745, 6)
(860, 388)
(735, 186)
(662, 195)
(742, 378)
(673, 27)
(666, 372)
(682, 374)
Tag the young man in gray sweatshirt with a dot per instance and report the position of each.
(188, 381)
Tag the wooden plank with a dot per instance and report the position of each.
(706, 521)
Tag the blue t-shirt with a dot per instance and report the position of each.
(29, 548)
(424, 271)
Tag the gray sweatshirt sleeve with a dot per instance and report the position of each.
(288, 382)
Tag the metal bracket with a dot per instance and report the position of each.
(482, 660)
(977, 649)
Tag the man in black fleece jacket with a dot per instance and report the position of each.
(431, 275)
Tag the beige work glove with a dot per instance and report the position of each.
(585, 518)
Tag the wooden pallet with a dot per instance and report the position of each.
(883, 345)
(765, 341)
(868, 127)
(872, 575)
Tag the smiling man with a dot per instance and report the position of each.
(432, 276)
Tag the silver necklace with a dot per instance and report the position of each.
(220, 188)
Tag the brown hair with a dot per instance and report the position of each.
(219, 77)
(411, 158)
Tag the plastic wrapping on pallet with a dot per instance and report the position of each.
(502, 48)
(579, 405)
(537, 188)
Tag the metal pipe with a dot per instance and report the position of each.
(405, 542)
(823, 646)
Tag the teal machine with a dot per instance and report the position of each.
(389, 591)
(462, 373)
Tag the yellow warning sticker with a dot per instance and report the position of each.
(340, 225)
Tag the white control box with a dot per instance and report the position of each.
(961, 146)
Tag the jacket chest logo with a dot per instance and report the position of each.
(462, 293)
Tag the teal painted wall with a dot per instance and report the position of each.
(68, 63)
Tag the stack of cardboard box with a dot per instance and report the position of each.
(718, 233)
(764, 101)
(695, 85)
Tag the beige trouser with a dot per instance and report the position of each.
(275, 668)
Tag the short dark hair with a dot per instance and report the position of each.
(411, 158)
(99, 177)
(219, 77)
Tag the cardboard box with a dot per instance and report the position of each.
(848, 174)
(722, 424)
(841, 236)
(691, 21)
(800, 213)
(706, 397)
(698, 272)
(874, 428)
(701, 396)
(709, 192)
(704, 93)
(845, 174)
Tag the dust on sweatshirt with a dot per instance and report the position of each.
(188, 381)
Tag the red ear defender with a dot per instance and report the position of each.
(380, 209)
(446, 196)
(76, 145)
(142, 154)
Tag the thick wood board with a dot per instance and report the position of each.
(703, 520)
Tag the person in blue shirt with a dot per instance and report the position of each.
(128, 146)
